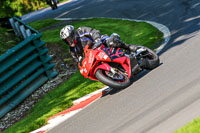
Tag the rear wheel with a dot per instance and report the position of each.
(118, 80)
(151, 59)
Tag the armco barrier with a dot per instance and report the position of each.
(21, 29)
(23, 69)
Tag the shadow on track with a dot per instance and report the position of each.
(135, 78)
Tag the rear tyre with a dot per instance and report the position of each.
(104, 78)
(152, 60)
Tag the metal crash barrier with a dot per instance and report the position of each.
(21, 29)
(23, 68)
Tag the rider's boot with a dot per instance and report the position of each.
(133, 48)
(137, 49)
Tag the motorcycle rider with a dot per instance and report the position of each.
(53, 3)
(78, 39)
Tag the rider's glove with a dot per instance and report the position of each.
(80, 60)
(98, 42)
(114, 41)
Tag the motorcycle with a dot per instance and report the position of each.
(116, 67)
(53, 4)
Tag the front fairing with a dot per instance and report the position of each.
(116, 56)
(100, 59)
(88, 62)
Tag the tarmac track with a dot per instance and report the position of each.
(159, 101)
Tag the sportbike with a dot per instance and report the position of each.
(115, 66)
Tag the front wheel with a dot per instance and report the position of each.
(118, 81)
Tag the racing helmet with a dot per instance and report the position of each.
(67, 34)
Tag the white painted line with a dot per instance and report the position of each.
(166, 33)
(90, 95)
(65, 13)
(53, 122)
(56, 121)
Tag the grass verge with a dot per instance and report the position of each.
(77, 86)
(7, 40)
(55, 101)
(131, 32)
(43, 23)
(192, 127)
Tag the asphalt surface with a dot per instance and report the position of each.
(158, 101)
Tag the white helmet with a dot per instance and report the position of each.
(67, 31)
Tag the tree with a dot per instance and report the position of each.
(9, 8)
(5, 9)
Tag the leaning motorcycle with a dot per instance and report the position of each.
(115, 66)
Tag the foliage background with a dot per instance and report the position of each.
(10, 8)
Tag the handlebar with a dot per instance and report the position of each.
(119, 41)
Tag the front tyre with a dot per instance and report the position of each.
(105, 78)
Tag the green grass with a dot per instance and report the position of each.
(55, 101)
(131, 32)
(7, 40)
(43, 23)
(192, 127)
(77, 86)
